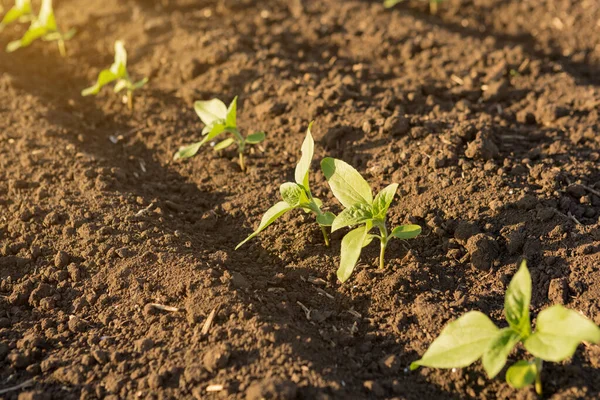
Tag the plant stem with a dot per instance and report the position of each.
(325, 237)
(241, 161)
(130, 100)
(538, 376)
(384, 242)
(62, 48)
(433, 6)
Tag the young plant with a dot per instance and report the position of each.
(433, 4)
(297, 195)
(558, 333)
(355, 194)
(21, 11)
(218, 119)
(117, 72)
(44, 27)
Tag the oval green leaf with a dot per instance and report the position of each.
(255, 137)
(517, 300)
(270, 216)
(210, 111)
(495, 356)
(231, 118)
(224, 144)
(187, 151)
(460, 343)
(293, 194)
(521, 374)
(352, 245)
(302, 168)
(558, 332)
(348, 186)
(406, 231)
(354, 215)
(383, 200)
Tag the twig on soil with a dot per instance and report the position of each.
(209, 321)
(354, 313)
(214, 388)
(593, 191)
(570, 216)
(305, 309)
(145, 210)
(317, 281)
(16, 387)
(163, 307)
(324, 293)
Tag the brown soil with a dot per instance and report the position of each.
(486, 114)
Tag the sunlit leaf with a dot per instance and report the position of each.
(270, 216)
(348, 186)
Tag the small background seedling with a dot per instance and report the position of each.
(117, 72)
(297, 195)
(433, 4)
(219, 119)
(21, 12)
(355, 194)
(43, 26)
(557, 334)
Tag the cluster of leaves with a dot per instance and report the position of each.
(361, 209)
(297, 195)
(473, 336)
(433, 4)
(219, 119)
(43, 26)
(117, 72)
(349, 187)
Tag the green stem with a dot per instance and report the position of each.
(241, 162)
(130, 100)
(62, 48)
(325, 236)
(384, 242)
(538, 376)
(433, 6)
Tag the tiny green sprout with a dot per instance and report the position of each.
(433, 4)
(557, 334)
(297, 195)
(218, 119)
(355, 194)
(43, 26)
(21, 12)
(117, 72)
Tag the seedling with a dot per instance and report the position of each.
(21, 12)
(117, 72)
(43, 27)
(297, 195)
(558, 333)
(433, 4)
(219, 119)
(355, 194)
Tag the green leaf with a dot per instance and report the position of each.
(318, 202)
(495, 356)
(460, 343)
(352, 245)
(68, 35)
(354, 215)
(325, 219)
(120, 85)
(211, 111)
(383, 200)
(20, 9)
(255, 137)
(391, 3)
(517, 300)
(346, 183)
(558, 332)
(302, 169)
(293, 194)
(369, 239)
(270, 216)
(187, 151)
(104, 77)
(406, 231)
(231, 119)
(224, 144)
(32, 34)
(521, 374)
(139, 84)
